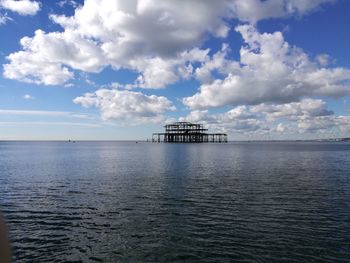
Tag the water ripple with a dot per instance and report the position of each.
(121, 202)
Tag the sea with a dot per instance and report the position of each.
(114, 201)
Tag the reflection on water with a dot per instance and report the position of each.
(127, 202)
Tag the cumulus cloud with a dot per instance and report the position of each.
(306, 116)
(238, 119)
(306, 107)
(158, 72)
(44, 57)
(147, 36)
(323, 60)
(161, 44)
(270, 70)
(128, 106)
(28, 69)
(22, 7)
(255, 10)
(130, 28)
(218, 63)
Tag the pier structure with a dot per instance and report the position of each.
(187, 132)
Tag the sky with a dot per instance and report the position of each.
(120, 70)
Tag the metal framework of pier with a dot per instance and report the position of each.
(186, 132)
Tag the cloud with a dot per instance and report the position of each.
(239, 119)
(22, 7)
(218, 63)
(44, 56)
(269, 70)
(43, 113)
(71, 3)
(255, 10)
(324, 60)
(148, 36)
(325, 124)
(306, 116)
(306, 107)
(301, 6)
(128, 29)
(49, 123)
(129, 106)
(144, 36)
(47, 118)
(28, 97)
(281, 128)
(158, 72)
(4, 18)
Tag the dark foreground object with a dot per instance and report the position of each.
(5, 255)
(186, 132)
(146, 202)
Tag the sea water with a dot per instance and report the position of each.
(156, 202)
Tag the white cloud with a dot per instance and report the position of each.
(68, 85)
(4, 18)
(270, 71)
(302, 6)
(44, 57)
(28, 97)
(129, 106)
(199, 116)
(323, 60)
(158, 72)
(147, 36)
(128, 29)
(255, 10)
(161, 44)
(306, 107)
(281, 128)
(325, 124)
(239, 119)
(22, 7)
(44, 113)
(307, 116)
(218, 63)
(48, 124)
(71, 3)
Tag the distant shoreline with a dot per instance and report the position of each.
(299, 140)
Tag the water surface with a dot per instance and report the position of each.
(144, 202)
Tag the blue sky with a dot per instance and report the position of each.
(116, 70)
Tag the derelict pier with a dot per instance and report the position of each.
(186, 132)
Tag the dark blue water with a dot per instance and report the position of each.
(144, 202)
